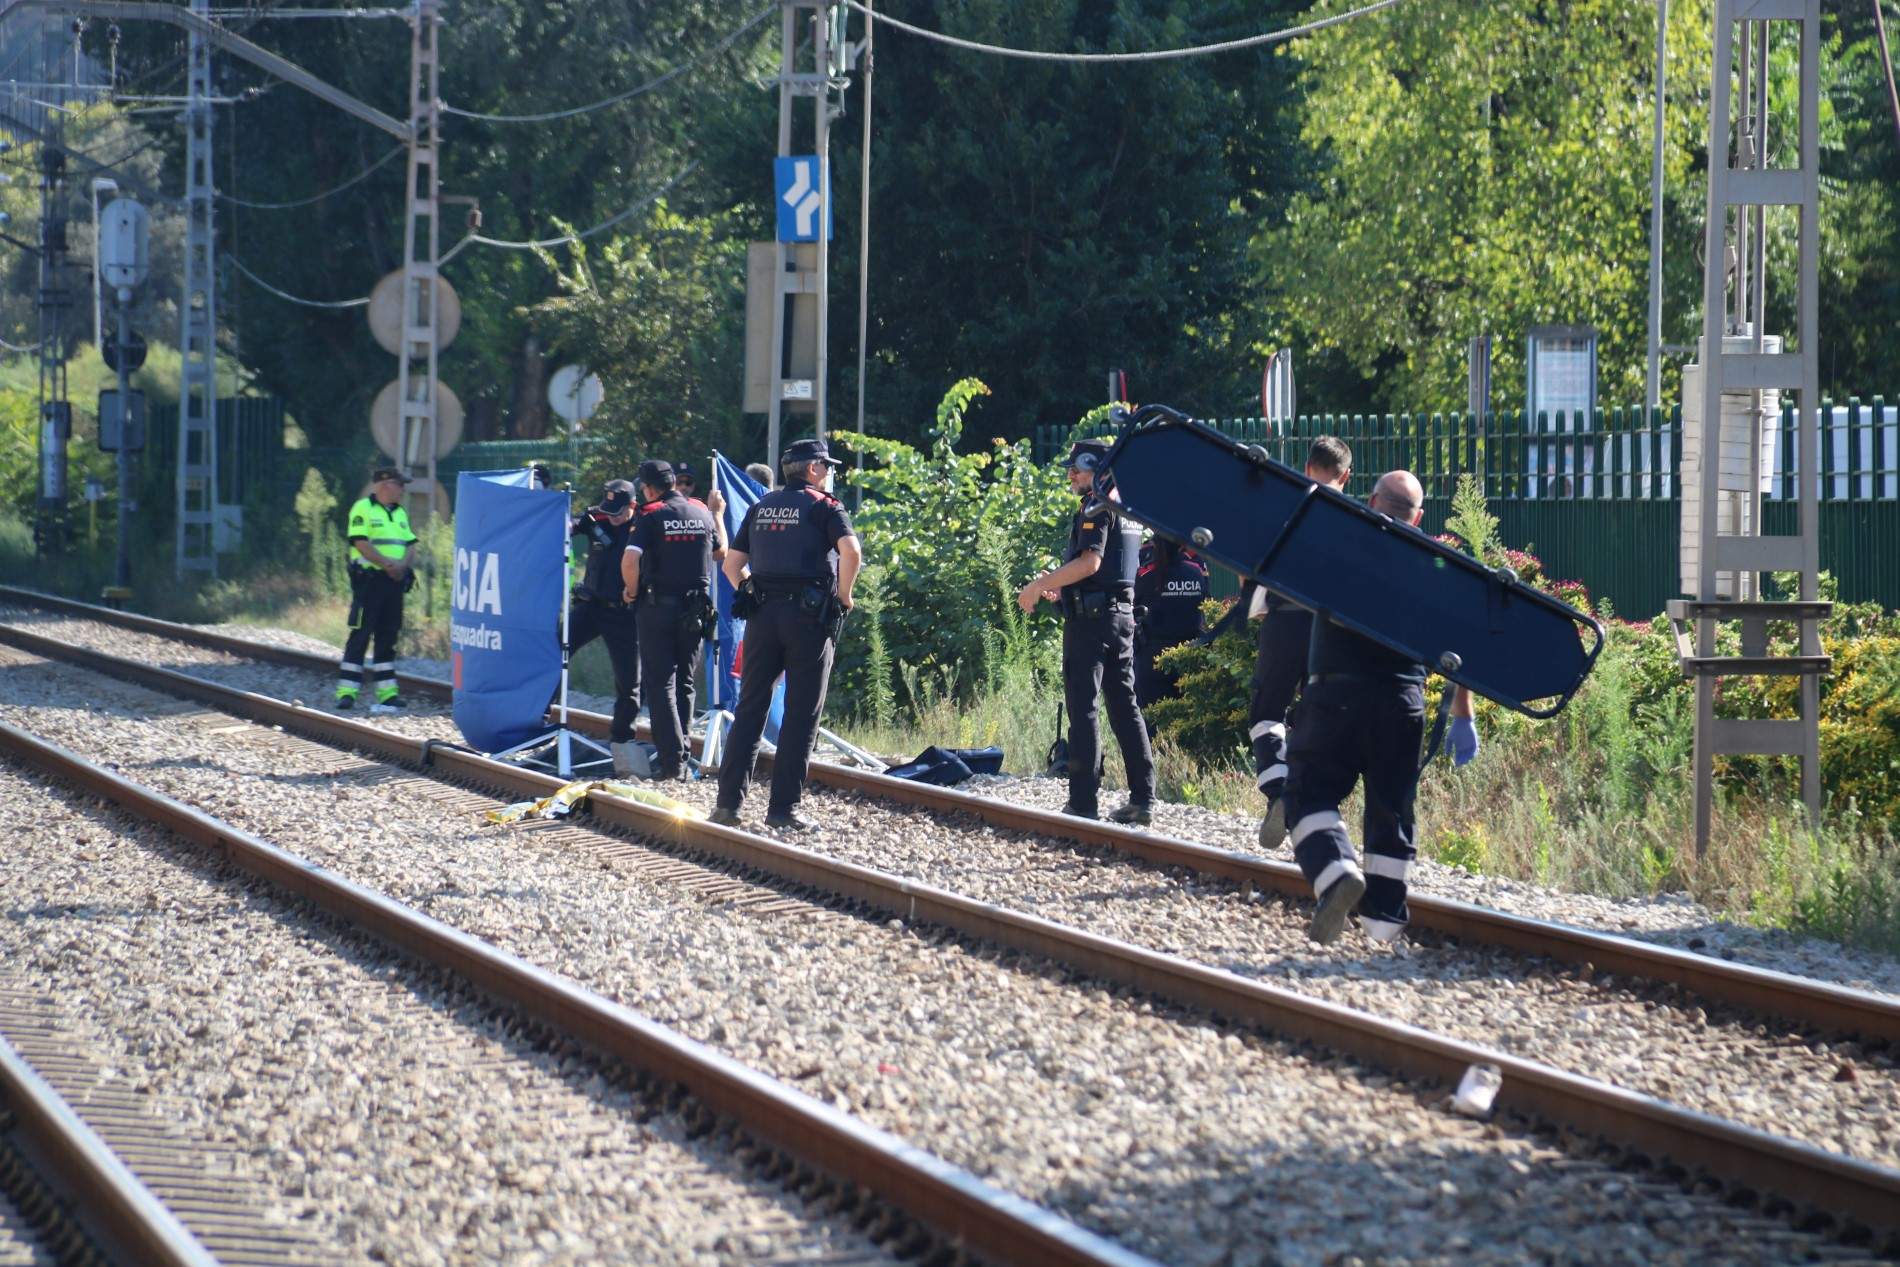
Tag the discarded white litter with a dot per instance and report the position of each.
(1477, 1089)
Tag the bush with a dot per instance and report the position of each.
(952, 535)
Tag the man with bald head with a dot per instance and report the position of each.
(1362, 715)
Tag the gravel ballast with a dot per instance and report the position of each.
(1671, 919)
(1829, 1092)
(381, 1113)
(1184, 1139)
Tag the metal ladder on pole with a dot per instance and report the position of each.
(197, 544)
(422, 227)
(1734, 360)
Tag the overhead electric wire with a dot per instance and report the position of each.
(1156, 55)
(353, 181)
(727, 42)
(14, 347)
(476, 239)
(286, 296)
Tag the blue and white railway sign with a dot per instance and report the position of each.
(801, 199)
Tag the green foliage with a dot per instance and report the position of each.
(1472, 520)
(1208, 719)
(657, 314)
(1462, 848)
(953, 535)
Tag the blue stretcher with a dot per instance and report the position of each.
(1235, 506)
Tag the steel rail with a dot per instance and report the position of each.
(947, 1198)
(1833, 1008)
(118, 1213)
(1743, 1157)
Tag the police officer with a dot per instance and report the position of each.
(600, 609)
(1170, 587)
(1362, 716)
(667, 571)
(1286, 634)
(797, 546)
(380, 538)
(1096, 587)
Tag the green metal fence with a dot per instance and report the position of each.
(1595, 497)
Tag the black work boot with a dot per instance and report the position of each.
(788, 820)
(1135, 813)
(723, 816)
(1080, 811)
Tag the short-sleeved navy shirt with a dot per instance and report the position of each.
(1117, 540)
(792, 534)
(675, 536)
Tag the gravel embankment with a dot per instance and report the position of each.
(19, 1244)
(382, 1114)
(1672, 920)
(1186, 1140)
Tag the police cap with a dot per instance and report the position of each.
(811, 450)
(616, 496)
(655, 473)
(382, 473)
(1086, 455)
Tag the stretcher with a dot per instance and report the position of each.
(1235, 506)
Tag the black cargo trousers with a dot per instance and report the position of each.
(782, 636)
(1278, 669)
(671, 639)
(613, 624)
(1355, 726)
(1098, 659)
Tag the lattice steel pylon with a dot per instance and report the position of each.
(421, 254)
(1735, 359)
(197, 488)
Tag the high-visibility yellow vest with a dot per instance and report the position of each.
(386, 527)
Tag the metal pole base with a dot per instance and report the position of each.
(565, 742)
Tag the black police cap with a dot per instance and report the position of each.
(812, 450)
(382, 473)
(655, 473)
(1086, 455)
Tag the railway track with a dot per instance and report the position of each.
(1769, 1167)
(1829, 1008)
(506, 1112)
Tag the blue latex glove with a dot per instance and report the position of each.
(1462, 742)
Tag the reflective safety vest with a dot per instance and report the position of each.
(385, 527)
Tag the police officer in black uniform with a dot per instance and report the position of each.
(1362, 716)
(1286, 635)
(1096, 587)
(802, 558)
(600, 609)
(1170, 587)
(667, 567)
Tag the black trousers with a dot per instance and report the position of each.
(1278, 669)
(669, 661)
(613, 625)
(375, 612)
(1098, 659)
(779, 638)
(1352, 728)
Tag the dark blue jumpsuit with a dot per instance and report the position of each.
(1362, 715)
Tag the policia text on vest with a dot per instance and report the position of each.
(380, 539)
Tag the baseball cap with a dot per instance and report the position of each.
(808, 450)
(616, 496)
(382, 473)
(657, 473)
(683, 471)
(1086, 455)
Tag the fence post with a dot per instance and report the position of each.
(1882, 480)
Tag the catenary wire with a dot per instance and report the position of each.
(353, 181)
(1156, 55)
(727, 42)
(14, 347)
(476, 239)
(238, 264)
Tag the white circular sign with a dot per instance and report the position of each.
(385, 313)
(575, 394)
(385, 422)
